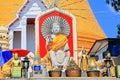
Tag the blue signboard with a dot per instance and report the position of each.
(37, 67)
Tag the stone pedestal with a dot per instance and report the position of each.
(74, 78)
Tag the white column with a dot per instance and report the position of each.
(23, 24)
(74, 39)
(11, 39)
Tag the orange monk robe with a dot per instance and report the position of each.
(58, 42)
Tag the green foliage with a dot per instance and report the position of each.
(118, 26)
(115, 4)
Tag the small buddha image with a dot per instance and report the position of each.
(110, 64)
(84, 61)
(16, 62)
(16, 66)
(80, 55)
(110, 58)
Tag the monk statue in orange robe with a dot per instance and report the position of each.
(57, 46)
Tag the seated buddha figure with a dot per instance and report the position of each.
(16, 66)
(57, 46)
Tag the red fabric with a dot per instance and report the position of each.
(21, 52)
(42, 41)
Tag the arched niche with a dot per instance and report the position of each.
(72, 38)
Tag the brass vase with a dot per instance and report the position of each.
(92, 64)
(93, 72)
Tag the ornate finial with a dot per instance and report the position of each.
(55, 3)
(83, 49)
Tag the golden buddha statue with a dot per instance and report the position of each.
(84, 61)
(16, 66)
(16, 62)
(110, 64)
(109, 57)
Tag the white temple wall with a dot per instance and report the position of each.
(27, 39)
(30, 38)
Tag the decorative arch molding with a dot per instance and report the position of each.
(40, 41)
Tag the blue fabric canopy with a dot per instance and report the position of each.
(5, 56)
(1, 57)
